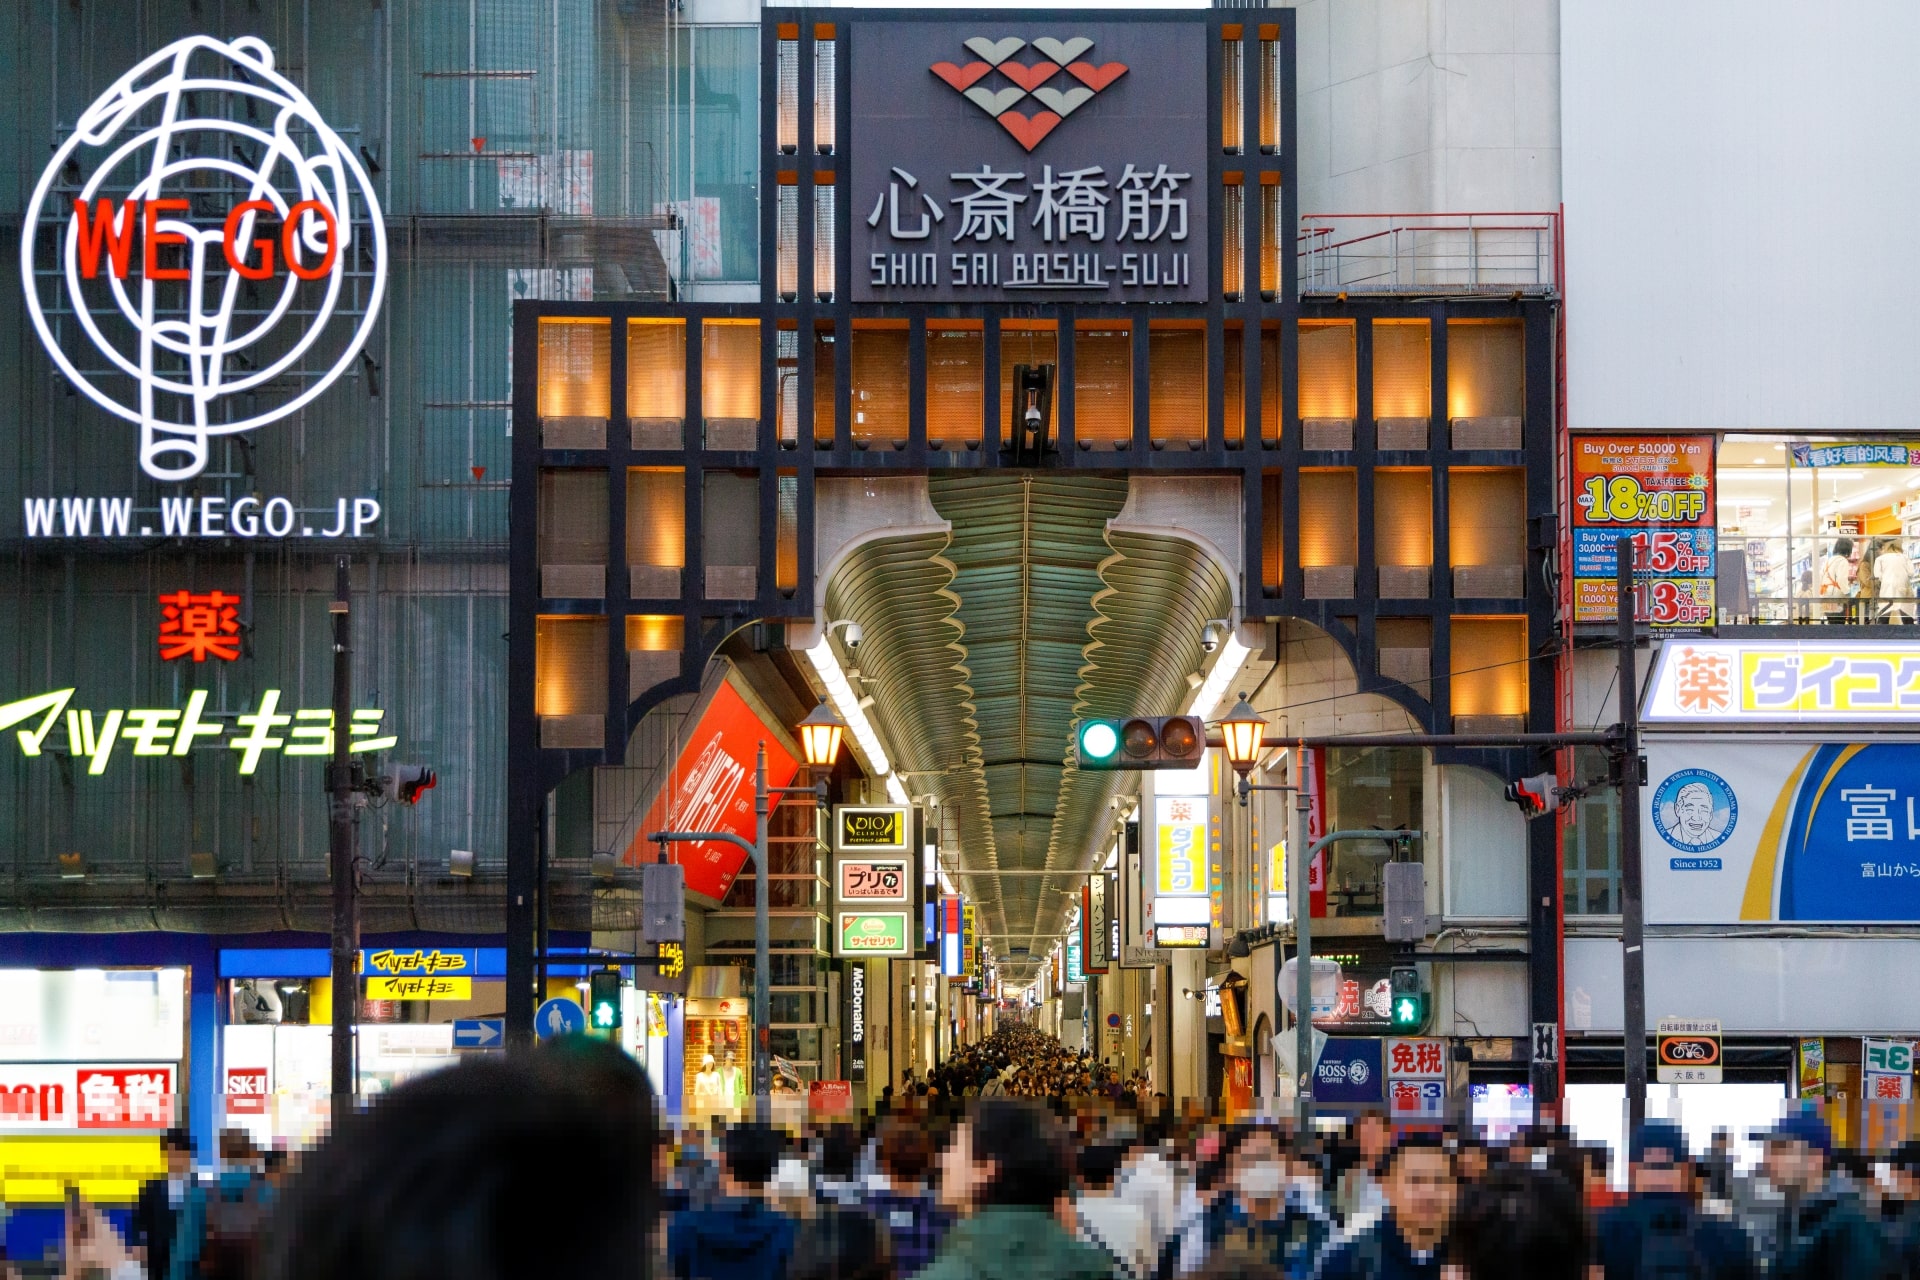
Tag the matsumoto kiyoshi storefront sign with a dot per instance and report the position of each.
(203, 256)
(1000, 160)
(98, 737)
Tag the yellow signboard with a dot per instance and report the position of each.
(1181, 823)
(420, 988)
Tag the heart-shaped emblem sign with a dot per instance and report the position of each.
(1097, 78)
(1063, 51)
(1064, 102)
(994, 101)
(996, 51)
(961, 78)
(1028, 132)
(1028, 79)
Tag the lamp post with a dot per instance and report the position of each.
(820, 736)
(1243, 734)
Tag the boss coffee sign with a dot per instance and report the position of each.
(1009, 161)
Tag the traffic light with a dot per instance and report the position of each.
(408, 782)
(1141, 742)
(603, 1003)
(1536, 795)
(1409, 1014)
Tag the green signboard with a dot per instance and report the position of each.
(873, 933)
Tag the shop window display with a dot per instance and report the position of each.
(1818, 529)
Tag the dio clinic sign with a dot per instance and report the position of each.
(1657, 492)
(1012, 161)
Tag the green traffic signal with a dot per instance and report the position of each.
(1099, 742)
(603, 1005)
(1408, 1011)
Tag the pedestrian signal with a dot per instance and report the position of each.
(603, 1003)
(1409, 1012)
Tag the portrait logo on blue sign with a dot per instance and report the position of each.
(1695, 810)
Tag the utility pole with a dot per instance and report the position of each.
(1633, 960)
(340, 842)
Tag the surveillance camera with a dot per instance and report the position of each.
(1033, 417)
(1209, 638)
(855, 635)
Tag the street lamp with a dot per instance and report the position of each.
(820, 736)
(1243, 731)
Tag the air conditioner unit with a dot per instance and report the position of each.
(1406, 581)
(1326, 435)
(573, 433)
(1328, 582)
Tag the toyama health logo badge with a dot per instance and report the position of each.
(204, 255)
(1057, 99)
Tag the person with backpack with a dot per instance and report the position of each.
(1660, 1233)
(740, 1237)
(1408, 1241)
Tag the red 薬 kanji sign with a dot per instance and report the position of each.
(199, 626)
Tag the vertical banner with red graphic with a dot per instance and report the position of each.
(1657, 491)
(1313, 778)
(711, 789)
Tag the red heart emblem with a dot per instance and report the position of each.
(1028, 132)
(1028, 78)
(1097, 78)
(961, 78)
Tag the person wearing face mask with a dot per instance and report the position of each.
(1261, 1218)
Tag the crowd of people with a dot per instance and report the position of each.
(556, 1164)
(1023, 1062)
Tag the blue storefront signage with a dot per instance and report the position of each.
(1349, 1072)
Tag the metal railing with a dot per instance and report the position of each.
(1429, 253)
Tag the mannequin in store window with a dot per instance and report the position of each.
(1836, 578)
(1894, 574)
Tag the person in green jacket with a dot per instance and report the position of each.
(1004, 1173)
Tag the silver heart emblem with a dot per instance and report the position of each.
(993, 102)
(1063, 104)
(995, 52)
(1063, 52)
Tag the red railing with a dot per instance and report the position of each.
(1429, 253)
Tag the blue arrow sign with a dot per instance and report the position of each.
(559, 1017)
(479, 1033)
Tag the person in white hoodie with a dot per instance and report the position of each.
(1106, 1219)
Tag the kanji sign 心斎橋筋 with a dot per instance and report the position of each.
(1030, 162)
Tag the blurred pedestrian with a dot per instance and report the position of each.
(741, 1236)
(1405, 1244)
(474, 1170)
(1520, 1224)
(1004, 1173)
(1894, 573)
(1900, 1210)
(1257, 1217)
(1104, 1219)
(1824, 1232)
(899, 1198)
(1836, 579)
(1660, 1233)
(1357, 1195)
(156, 1209)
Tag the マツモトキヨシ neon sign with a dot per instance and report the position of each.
(153, 731)
(189, 278)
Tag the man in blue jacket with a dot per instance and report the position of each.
(1407, 1242)
(1660, 1232)
(740, 1237)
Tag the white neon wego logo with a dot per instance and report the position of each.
(188, 357)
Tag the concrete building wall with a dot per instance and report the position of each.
(1429, 105)
(1756, 159)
